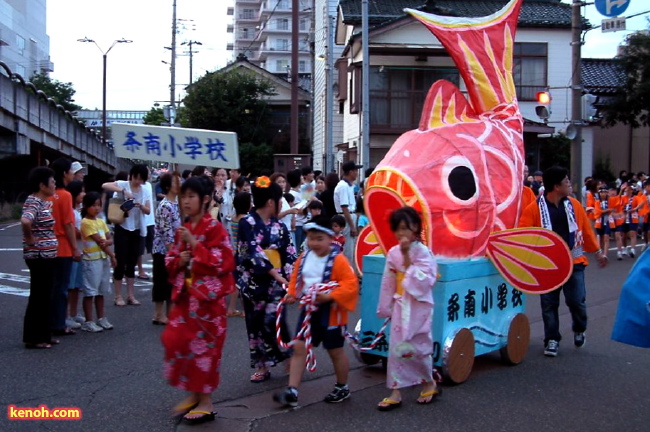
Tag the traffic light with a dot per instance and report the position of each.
(544, 100)
(591, 108)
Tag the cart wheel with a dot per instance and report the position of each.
(384, 363)
(518, 339)
(369, 359)
(458, 356)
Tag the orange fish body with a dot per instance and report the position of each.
(463, 167)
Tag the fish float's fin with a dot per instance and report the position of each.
(482, 48)
(533, 260)
(445, 105)
(366, 244)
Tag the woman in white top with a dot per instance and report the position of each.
(128, 234)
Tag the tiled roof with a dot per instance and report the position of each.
(601, 76)
(534, 13)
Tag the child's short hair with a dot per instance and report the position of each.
(315, 204)
(241, 182)
(242, 203)
(409, 216)
(289, 197)
(339, 220)
(319, 223)
(89, 200)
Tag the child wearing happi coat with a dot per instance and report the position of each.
(406, 299)
(322, 263)
(604, 223)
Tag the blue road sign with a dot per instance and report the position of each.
(612, 8)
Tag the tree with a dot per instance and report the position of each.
(60, 92)
(632, 100)
(254, 158)
(229, 101)
(154, 117)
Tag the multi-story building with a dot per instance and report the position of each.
(24, 43)
(262, 32)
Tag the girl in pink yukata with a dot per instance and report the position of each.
(407, 299)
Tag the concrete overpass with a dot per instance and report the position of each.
(34, 130)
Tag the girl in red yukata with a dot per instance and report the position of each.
(200, 266)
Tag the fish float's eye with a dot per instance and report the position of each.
(459, 180)
(462, 183)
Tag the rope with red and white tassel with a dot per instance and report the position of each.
(381, 334)
(309, 302)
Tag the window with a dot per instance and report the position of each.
(244, 33)
(397, 94)
(281, 66)
(302, 66)
(282, 24)
(341, 66)
(284, 4)
(231, 11)
(282, 44)
(247, 14)
(230, 47)
(303, 24)
(355, 89)
(20, 44)
(530, 69)
(230, 28)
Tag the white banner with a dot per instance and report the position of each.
(176, 145)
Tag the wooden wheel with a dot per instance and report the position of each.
(458, 356)
(518, 339)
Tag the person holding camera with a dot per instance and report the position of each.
(127, 238)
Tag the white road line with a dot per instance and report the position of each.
(11, 249)
(9, 226)
(22, 292)
(14, 277)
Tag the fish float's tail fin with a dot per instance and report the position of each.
(482, 49)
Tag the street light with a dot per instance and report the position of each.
(104, 54)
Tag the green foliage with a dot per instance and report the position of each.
(254, 158)
(62, 93)
(229, 101)
(630, 106)
(154, 117)
(556, 151)
(602, 169)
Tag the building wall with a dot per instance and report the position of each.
(626, 148)
(24, 43)
(326, 55)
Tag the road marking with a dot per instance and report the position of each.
(22, 292)
(10, 249)
(9, 226)
(14, 278)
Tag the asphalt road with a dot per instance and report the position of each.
(115, 377)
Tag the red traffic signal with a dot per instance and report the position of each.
(543, 97)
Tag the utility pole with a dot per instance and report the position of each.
(190, 43)
(295, 52)
(172, 89)
(576, 98)
(330, 159)
(365, 87)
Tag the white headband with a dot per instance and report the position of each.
(315, 226)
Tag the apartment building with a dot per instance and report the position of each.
(261, 31)
(24, 43)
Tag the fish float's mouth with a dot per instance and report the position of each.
(463, 233)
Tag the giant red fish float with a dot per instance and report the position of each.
(462, 169)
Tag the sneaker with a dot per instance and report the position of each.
(91, 327)
(624, 252)
(551, 348)
(289, 397)
(339, 394)
(632, 254)
(80, 319)
(71, 323)
(619, 256)
(579, 339)
(103, 323)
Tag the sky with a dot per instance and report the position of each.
(136, 76)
